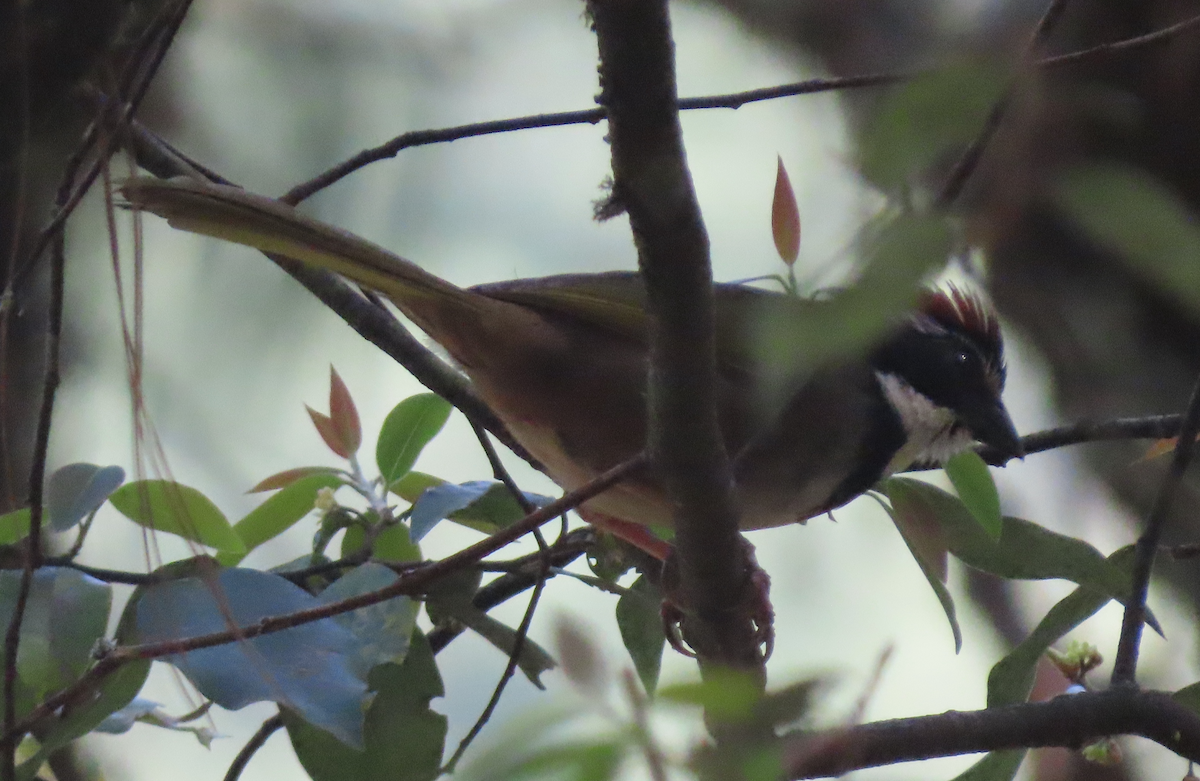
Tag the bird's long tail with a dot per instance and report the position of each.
(451, 315)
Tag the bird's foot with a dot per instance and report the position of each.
(755, 604)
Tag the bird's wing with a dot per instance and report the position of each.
(616, 302)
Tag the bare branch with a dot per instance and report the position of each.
(1071, 721)
(969, 160)
(257, 740)
(651, 183)
(1147, 427)
(510, 669)
(1123, 46)
(731, 100)
(565, 550)
(1125, 665)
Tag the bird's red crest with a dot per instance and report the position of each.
(964, 312)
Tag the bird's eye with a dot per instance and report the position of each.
(961, 358)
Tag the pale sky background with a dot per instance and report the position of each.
(271, 92)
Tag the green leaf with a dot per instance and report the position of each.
(404, 738)
(923, 536)
(177, 509)
(481, 504)
(77, 490)
(278, 514)
(573, 761)
(1024, 551)
(533, 659)
(728, 695)
(923, 121)
(973, 481)
(113, 693)
(406, 431)
(392, 544)
(494, 509)
(1011, 679)
(14, 526)
(451, 598)
(384, 629)
(639, 617)
(66, 613)
(1126, 210)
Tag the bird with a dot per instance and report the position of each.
(562, 361)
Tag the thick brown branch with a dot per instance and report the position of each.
(652, 184)
(1070, 721)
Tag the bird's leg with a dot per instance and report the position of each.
(756, 602)
(756, 597)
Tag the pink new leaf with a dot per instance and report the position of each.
(785, 217)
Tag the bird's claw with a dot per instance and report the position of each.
(756, 605)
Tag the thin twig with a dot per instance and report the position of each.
(17, 224)
(268, 728)
(1120, 47)
(499, 471)
(544, 553)
(411, 583)
(1125, 665)
(639, 703)
(105, 575)
(510, 669)
(969, 160)
(1147, 427)
(504, 588)
(732, 100)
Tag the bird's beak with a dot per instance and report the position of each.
(989, 422)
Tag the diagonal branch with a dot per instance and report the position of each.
(970, 158)
(1125, 665)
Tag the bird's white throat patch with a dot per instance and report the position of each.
(932, 433)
